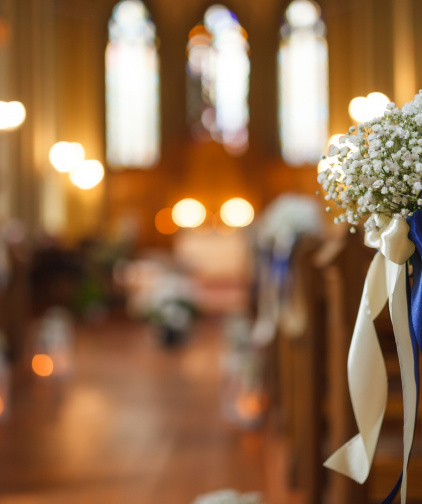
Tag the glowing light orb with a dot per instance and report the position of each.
(189, 213)
(301, 13)
(237, 212)
(87, 174)
(128, 13)
(164, 222)
(363, 109)
(2, 406)
(66, 156)
(12, 114)
(218, 18)
(42, 365)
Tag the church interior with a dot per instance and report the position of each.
(176, 302)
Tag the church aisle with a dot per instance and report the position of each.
(136, 424)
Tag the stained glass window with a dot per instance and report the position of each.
(218, 80)
(132, 88)
(303, 84)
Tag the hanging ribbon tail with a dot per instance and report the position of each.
(367, 379)
(386, 279)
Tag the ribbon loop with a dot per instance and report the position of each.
(391, 238)
(395, 244)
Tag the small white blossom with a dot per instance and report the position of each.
(333, 151)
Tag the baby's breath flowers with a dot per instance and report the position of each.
(377, 169)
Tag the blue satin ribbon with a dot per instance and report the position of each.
(415, 234)
(280, 265)
(414, 308)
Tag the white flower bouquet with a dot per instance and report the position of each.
(378, 167)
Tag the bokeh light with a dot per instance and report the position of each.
(302, 13)
(237, 212)
(2, 407)
(12, 114)
(66, 156)
(189, 213)
(303, 84)
(42, 365)
(197, 50)
(363, 109)
(132, 89)
(164, 222)
(128, 13)
(218, 72)
(249, 405)
(218, 18)
(87, 174)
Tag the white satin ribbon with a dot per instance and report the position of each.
(367, 375)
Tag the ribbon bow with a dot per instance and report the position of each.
(367, 375)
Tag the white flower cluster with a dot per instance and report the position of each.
(230, 497)
(379, 168)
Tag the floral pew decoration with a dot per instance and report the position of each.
(376, 175)
(230, 497)
(281, 225)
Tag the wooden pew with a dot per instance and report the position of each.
(344, 262)
(14, 298)
(301, 355)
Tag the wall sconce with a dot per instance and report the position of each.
(12, 115)
(188, 213)
(237, 212)
(68, 157)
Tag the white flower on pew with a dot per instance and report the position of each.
(287, 217)
(230, 497)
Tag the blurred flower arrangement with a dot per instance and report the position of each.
(285, 220)
(230, 497)
(287, 217)
(378, 170)
(172, 308)
(161, 295)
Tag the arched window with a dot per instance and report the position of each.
(218, 80)
(132, 97)
(303, 84)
